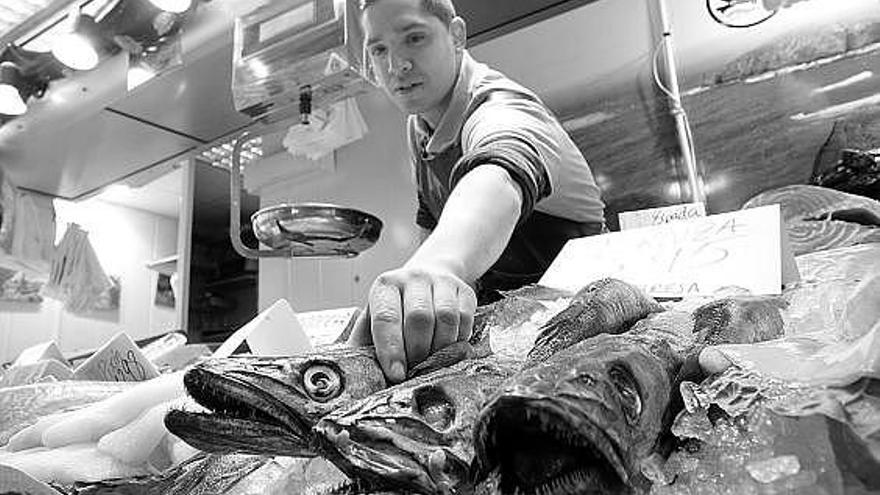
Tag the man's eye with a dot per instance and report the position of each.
(415, 38)
(377, 51)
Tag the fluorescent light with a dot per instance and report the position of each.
(138, 75)
(10, 100)
(175, 6)
(75, 51)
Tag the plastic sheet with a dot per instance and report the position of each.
(832, 323)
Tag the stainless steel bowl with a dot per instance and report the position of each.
(316, 229)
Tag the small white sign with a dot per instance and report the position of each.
(698, 256)
(659, 216)
(276, 331)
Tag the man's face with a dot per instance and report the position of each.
(414, 55)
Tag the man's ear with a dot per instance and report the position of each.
(458, 28)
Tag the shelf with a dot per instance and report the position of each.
(167, 265)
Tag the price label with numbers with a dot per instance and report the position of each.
(119, 360)
(744, 248)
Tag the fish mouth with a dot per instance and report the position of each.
(539, 447)
(387, 458)
(243, 415)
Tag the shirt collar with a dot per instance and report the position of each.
(450, 124)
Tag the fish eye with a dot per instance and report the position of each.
(434, 406)
(322, 382)
(626, 385)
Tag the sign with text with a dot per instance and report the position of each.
(119, 360)
(690, 257)
(659, 216)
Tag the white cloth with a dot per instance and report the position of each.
(329, 129)
(76, 276)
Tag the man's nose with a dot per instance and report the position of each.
(398, 65)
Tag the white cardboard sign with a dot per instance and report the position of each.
(659, 216)
(699, 256)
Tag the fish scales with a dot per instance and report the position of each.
(582, 421)
(23, 405)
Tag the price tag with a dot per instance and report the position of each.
(119, 360)
(659, 216)
(745, 248)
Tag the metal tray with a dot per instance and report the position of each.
(316, 229)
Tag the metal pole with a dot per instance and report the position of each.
(695, 182)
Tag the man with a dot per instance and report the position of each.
(501, 186)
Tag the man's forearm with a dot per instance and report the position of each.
(475, 226)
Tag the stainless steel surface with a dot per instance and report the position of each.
(314, 229)
(179, 112)
(298, 230)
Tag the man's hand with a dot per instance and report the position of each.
(412, 312)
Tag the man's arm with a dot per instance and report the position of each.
(429, 302)
(475, 227)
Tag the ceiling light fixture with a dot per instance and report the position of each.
(175, 6)
(11, 98)
(84, 45)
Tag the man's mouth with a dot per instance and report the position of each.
(405, 89)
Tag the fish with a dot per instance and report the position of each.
(606, 305)
(21, 406)
(203, 474)
(415, 436)
(584, 420)
(268, 405)
(819, 218)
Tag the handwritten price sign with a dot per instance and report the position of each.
(697, 256)
(119, 360)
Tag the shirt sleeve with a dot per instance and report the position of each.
(518, 134)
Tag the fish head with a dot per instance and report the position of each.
(580, 421)
(268, 405)
(741, 319)
(415, 436)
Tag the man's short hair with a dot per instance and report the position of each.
(441, 9)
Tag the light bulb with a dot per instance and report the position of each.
(75, 51)
(138, 75)
(10, 101)
(174, 6)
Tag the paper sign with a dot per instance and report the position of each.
(40, 352)
(689, 257)
(274, 332)
(119, 360)
(325, 326)
(15, 481)
(659, 216)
